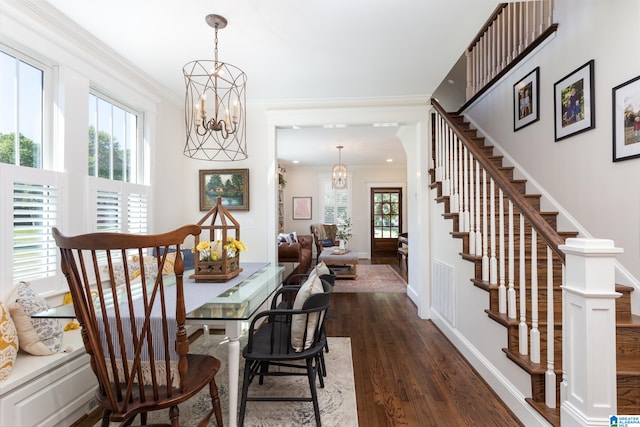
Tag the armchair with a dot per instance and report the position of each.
(324, 235)
(290, 335)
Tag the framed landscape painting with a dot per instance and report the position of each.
(574, 102)
(230, 184)
(526, 100)
(626, 120)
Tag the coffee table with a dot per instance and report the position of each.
(344, 263)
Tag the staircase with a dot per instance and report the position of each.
(468, 173)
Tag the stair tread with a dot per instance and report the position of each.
(630, 321)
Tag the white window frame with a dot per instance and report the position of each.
(138, 162)
(49, 75)
(325, 186)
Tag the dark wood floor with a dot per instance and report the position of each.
(406, 372)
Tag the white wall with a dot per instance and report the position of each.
(304, 182)
(602, 196)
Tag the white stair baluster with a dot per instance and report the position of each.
(478, 232)
(535, 332)
(472, 207)
(455, 206)
(485, 235)
(550, 375)
(523, 329)
(493, 262)
(511, 293)
(462, 191)
(465, 191)
(502, 289)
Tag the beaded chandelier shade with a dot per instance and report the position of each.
(215, 103)
(339, 173)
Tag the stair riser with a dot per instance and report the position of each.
(628, 393)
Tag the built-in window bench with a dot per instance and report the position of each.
(51, 390)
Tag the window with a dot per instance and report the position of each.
(21, 111)
(35, 212)
(119, 203)
(113, 141)
(336, 204)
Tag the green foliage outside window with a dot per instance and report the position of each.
(29, 151)
(120, 155)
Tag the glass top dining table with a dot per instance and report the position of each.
(234, 306)
(240, 301)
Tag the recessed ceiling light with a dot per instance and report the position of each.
(296, 161)
(389, 160)
(451, 81)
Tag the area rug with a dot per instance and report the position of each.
(337, 400)
(373, 278)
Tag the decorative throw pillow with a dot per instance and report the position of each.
(312, 285)
(284, 238)
(8, 342)
(150, 269)
(39, 337)
(322, 269)
(293, 237)
(326, 243)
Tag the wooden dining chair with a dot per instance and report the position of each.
(133, 323)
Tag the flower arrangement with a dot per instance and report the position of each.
(213, 252)
(344, 230)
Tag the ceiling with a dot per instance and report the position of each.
(294, 50)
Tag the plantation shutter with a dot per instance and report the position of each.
(35, 213)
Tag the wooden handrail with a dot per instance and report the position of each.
(542, 227)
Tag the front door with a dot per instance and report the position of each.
(386, 221)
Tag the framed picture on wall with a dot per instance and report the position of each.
(574, 102)
(230, 184)
(526, 100)
(626, 120)
(302, 208)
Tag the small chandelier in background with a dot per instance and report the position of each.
(339, 173)
(215, 106)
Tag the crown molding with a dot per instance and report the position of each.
(42, 18)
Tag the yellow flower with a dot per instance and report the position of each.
(203, 245)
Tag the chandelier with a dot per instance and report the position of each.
(339, 173)
(215, 106)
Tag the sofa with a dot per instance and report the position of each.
(300, 251)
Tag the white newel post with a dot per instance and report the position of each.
(588, 392)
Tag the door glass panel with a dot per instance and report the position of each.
(386, 213)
